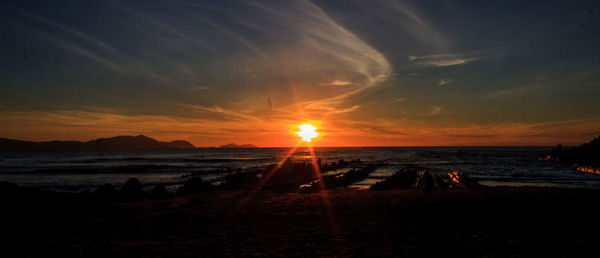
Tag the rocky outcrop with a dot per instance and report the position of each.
(338, 180)
(584, 158)
(419, 178)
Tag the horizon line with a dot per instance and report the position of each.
(387, 146)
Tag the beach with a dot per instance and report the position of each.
(507, 221)
(323, 207)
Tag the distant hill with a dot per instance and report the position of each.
(239, 146)
(139, 142)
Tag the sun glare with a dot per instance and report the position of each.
(307, 132)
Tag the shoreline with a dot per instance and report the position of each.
(498, 221)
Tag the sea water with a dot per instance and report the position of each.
(80, 170)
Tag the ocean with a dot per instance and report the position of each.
(81, 170)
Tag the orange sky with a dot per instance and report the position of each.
(68, 125)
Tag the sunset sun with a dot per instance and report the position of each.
(307, 132)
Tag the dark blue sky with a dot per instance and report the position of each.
(369, 72)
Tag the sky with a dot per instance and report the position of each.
(366, 73)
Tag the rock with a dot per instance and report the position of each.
(287, 177)
(338, 180)
(459, 179)
(159, 192)
(132, 190)
(195, 185)
(106, 192)
(585, 157)
(246, 180)
(408, 178)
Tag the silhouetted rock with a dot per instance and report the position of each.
(246, 180)
(159, 192)
(338, 180)
(106, 192)
(335, 166)
(132, 190)
(288, 176)
(29, 213)
(408, 178)
(139, 142)
(459, 179)
(195, 185)
(7, 188)
(585, 157)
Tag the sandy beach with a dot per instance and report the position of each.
(492, 222)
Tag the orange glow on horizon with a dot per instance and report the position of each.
(90, 125)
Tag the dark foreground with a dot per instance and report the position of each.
(488, 222)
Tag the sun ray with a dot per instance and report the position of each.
(267, 176)
(324, 194)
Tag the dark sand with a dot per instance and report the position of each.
(491, 222)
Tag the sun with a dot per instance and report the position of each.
(307, 132)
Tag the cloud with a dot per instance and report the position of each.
(39, 19)
(198, 88)
(87, 54)
(550, 83)
(156, 26)
(355, 56)
(333, 110)
(241, 51)
(514, 91)
(435, 111)
(336, 83)
(445, 81)
(442, 60)
(226, 113)
(86, 125)
(408, 19)
(68, 46)
(346, 110)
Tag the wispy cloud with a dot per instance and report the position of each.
(70, 47)
(199, 88)
(336, 83)
(445, 81)
(81, 51)
(157, 25)
(333, 110)
(321, 31)
(442, 59)
(226, 113)
(407, 18)
(435, 111)
(39, 19)
(550, 83)
(513, 91)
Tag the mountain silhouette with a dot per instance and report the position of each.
(140, 142)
